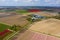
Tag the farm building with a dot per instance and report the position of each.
(36, 17)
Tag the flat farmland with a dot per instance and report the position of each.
(4, 30)
(22, 11)
(5, 14)
(44, 13)
(16, 19)
(3, 27)
(31, 35)
(49, 26)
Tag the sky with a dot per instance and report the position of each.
(30, 3)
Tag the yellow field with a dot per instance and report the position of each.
(49, 26)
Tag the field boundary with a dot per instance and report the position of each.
(44, 33)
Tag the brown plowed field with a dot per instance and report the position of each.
(16, 19)
(31, 35)
(44, 13)
(49, 26)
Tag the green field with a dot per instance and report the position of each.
(3, 27)
(22, 11)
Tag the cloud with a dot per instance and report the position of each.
(36, 0)
(2, 0)
(27, 0)
(47, 0)
(16, 0)
(22, 0)
(58, 2)
(52, 1)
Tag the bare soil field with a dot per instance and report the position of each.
(31, 35)
(16, 19)
(44, 13)
(49, 26)
(12, 18)
(4, 14)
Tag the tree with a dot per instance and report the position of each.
(13, 27)
(58, 16)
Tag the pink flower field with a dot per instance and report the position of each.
(29, 35)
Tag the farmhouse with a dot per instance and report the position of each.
(36, 16)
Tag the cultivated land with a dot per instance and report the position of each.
(6, 14)
(22, 11)
(7, 19)
(4, 30)
(46, 13)
(49, 26)
(3, 27)
(20, 19)
(31, 35)
(16, 19)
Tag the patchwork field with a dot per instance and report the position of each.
(19, 19)
(22, 11)
(4, 30)
(3, 27)
(44, 13)
(7, 14)
(31, 35)
(16, 19)
(49, 26)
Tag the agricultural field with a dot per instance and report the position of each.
(3, 27)
(31, 35)
(16, 19)
(19, 18)
(4, 30)
(49, 26)
(11, 18)
(21, 11)
(48, 14)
